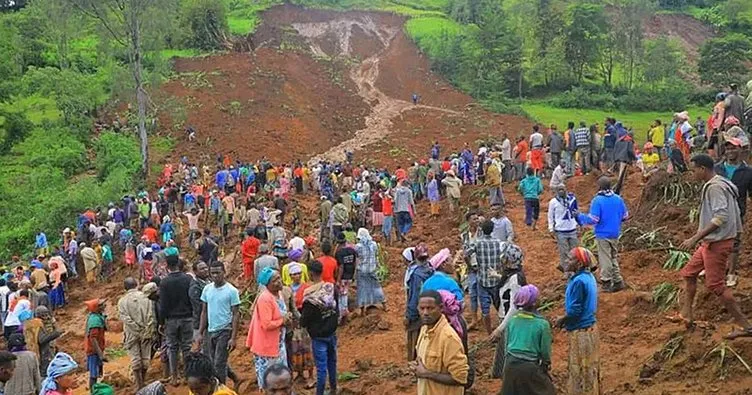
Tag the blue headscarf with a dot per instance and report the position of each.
(61, 365)
(266, 276)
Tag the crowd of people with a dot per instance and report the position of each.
(305, 269)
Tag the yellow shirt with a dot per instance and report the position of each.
(287, 279)
(650, 160)
(440, 349)
(657, 136)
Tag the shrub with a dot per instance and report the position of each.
(55, 148)
(116, 151)
(578, 97)
(207, 23)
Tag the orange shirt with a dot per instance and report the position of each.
(401, 174)
(298, 172)
(329, 265)
(95, 335)
(386, 206)
(249, 249)
(522, 149)
(151, 234)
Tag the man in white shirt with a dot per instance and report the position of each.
(4, 292)
(559, 176)
(296, 243)
(502, 229)
(506, 159)
(12, 322)
(562, 221)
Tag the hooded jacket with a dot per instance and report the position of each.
(742, 179)
(718, 205)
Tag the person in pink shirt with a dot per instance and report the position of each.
(266, 333)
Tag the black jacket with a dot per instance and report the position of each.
(742, 179)
(174, 301)
(319, 324)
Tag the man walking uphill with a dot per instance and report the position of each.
(416, 275)
(607, 212)
(582, 146)
(531, 188)
(137, 314)
(176, 314)
(219, 320)
(562, 223)
(720, 222)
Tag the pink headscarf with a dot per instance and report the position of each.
(439, 258)
(452, 309)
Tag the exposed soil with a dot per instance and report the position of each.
(321, 82)
(689, 32)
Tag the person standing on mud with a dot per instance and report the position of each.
(136, 313)
(562, 223)
(719, 224)
(580, 306)
(607, 212)
(734, 169)
(445, 372)
(404, 207)
(416, 275)
(487, 250)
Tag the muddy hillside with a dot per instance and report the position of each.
(321, 83)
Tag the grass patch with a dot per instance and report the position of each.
(243, 15)
(427, 32)
(639, 121)
(179, 53)
(36, 108)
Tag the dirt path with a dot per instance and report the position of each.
(365, 74)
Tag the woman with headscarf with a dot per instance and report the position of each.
(266, 332)
(57, 292)
(442, 277)
(296, 256)
(60, 379)
(370, 292)
(528, 348)
(300, 345)
(513, 280)
(40, 333)
(580, 305)
(25, 379)
(155, 388)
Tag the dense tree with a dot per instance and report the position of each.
(125, 21)
(206, 21)
(665, 57)
(584, 32)
(722, 59)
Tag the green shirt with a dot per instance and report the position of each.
(144, 209)
(529, 337)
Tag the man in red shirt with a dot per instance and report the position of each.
(150, 233)
(249, 250)
(520, 155)
(329, 264)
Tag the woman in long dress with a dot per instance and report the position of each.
(370, 292)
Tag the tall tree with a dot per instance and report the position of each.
(627, 30)
(584, 32)
(124, 21)
(665, 57)
(58, 23)
(722, 59)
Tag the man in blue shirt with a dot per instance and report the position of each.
(607, 212)
(581, 304)
(41, 244)
(219, 320)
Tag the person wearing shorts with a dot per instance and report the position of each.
(719, 224)
(487, 250)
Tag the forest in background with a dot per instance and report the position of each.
(67, 63)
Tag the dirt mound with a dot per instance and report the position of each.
(688, 31)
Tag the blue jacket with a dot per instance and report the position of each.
(609, 140)
(607, 211)
(41, 241)
(531, 187)
(581, 301)
(221, 178)
(442, 281)
(414, 284)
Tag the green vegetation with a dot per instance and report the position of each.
(639, 121)
(243, 15)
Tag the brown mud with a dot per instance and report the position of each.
(320, 82)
